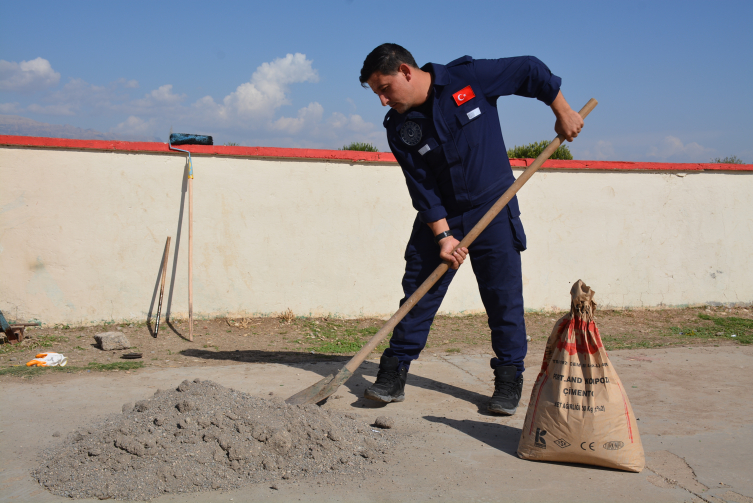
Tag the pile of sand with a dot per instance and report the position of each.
(203, 436)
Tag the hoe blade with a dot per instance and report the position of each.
(321, 390)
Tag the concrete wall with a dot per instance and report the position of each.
(83, 228)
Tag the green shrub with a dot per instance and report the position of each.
(361, 147)
(532, 151)
(727, 160)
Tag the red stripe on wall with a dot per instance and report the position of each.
(132, 146)
(342, 155)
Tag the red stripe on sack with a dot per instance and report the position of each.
(536, 405)
(583, 339)
(627, 413)
(567, 345)
(597, 335)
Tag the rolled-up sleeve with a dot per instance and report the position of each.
(422, 186)
(522, 76)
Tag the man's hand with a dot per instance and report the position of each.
(448, 244)
(446, 247)
(569, 122)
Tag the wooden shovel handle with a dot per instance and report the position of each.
(359, 357)
(190, 257)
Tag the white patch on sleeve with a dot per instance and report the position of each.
(474, 113)
(424, 149)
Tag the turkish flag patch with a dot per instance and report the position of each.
(465, 94)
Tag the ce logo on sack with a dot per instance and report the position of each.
(461, 97)
(590, 446)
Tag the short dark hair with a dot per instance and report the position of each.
(385, 59)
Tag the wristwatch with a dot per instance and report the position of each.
(441, 236)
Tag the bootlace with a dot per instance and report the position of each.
(387, 378)
(505, 388)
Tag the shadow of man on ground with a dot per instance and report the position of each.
(362, 378)
(499, 436)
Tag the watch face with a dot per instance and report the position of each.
(410, 133)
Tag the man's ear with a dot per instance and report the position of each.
(407, 71)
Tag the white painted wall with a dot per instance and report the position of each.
(82, 235)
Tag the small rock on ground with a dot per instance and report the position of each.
(384, 422)
(110, 341)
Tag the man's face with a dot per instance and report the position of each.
(394, 91)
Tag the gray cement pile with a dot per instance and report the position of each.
(203, 436)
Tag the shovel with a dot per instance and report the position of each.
(327, 386)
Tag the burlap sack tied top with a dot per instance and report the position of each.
(579, 411)
(582, 304)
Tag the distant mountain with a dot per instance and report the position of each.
(21, 126)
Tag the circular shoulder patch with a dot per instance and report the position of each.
(410, 133)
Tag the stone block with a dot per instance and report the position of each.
(110, 341)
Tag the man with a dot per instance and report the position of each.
(443, 128)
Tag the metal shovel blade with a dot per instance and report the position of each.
(321, 390)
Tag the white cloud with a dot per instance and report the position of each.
(671, 148)
(129, 84)
(27, 76)
(267, 90)
(252, 107)
(160, 102)
(162, 96)
(602, 150)
(135, 126)
(10, 108)
(64, 109)
(77, 94)
(309, 130)
(353, 123)
(311, 115)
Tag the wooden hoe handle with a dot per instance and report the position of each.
(327, 386)
(359, 357)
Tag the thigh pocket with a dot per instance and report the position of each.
(421, 240)
(518, 234)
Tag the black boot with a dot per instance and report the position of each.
(390, 383)
(507, 391)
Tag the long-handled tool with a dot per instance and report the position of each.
(189, 139)
(324, 388)
(162, 286)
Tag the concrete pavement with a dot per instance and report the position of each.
(693, 404)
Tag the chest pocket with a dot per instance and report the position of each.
(469, 118)
(431, 152)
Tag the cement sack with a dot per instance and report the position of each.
(579, 411)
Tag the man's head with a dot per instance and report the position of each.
(392, 73)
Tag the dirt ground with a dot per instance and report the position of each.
(290, 339)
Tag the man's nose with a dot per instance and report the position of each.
(383, 99)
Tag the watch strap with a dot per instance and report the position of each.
(441, 236)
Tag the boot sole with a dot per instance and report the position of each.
(383, 398)
(501, 411)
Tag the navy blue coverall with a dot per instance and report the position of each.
(455, 165)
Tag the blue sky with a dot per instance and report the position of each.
(672, 78)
